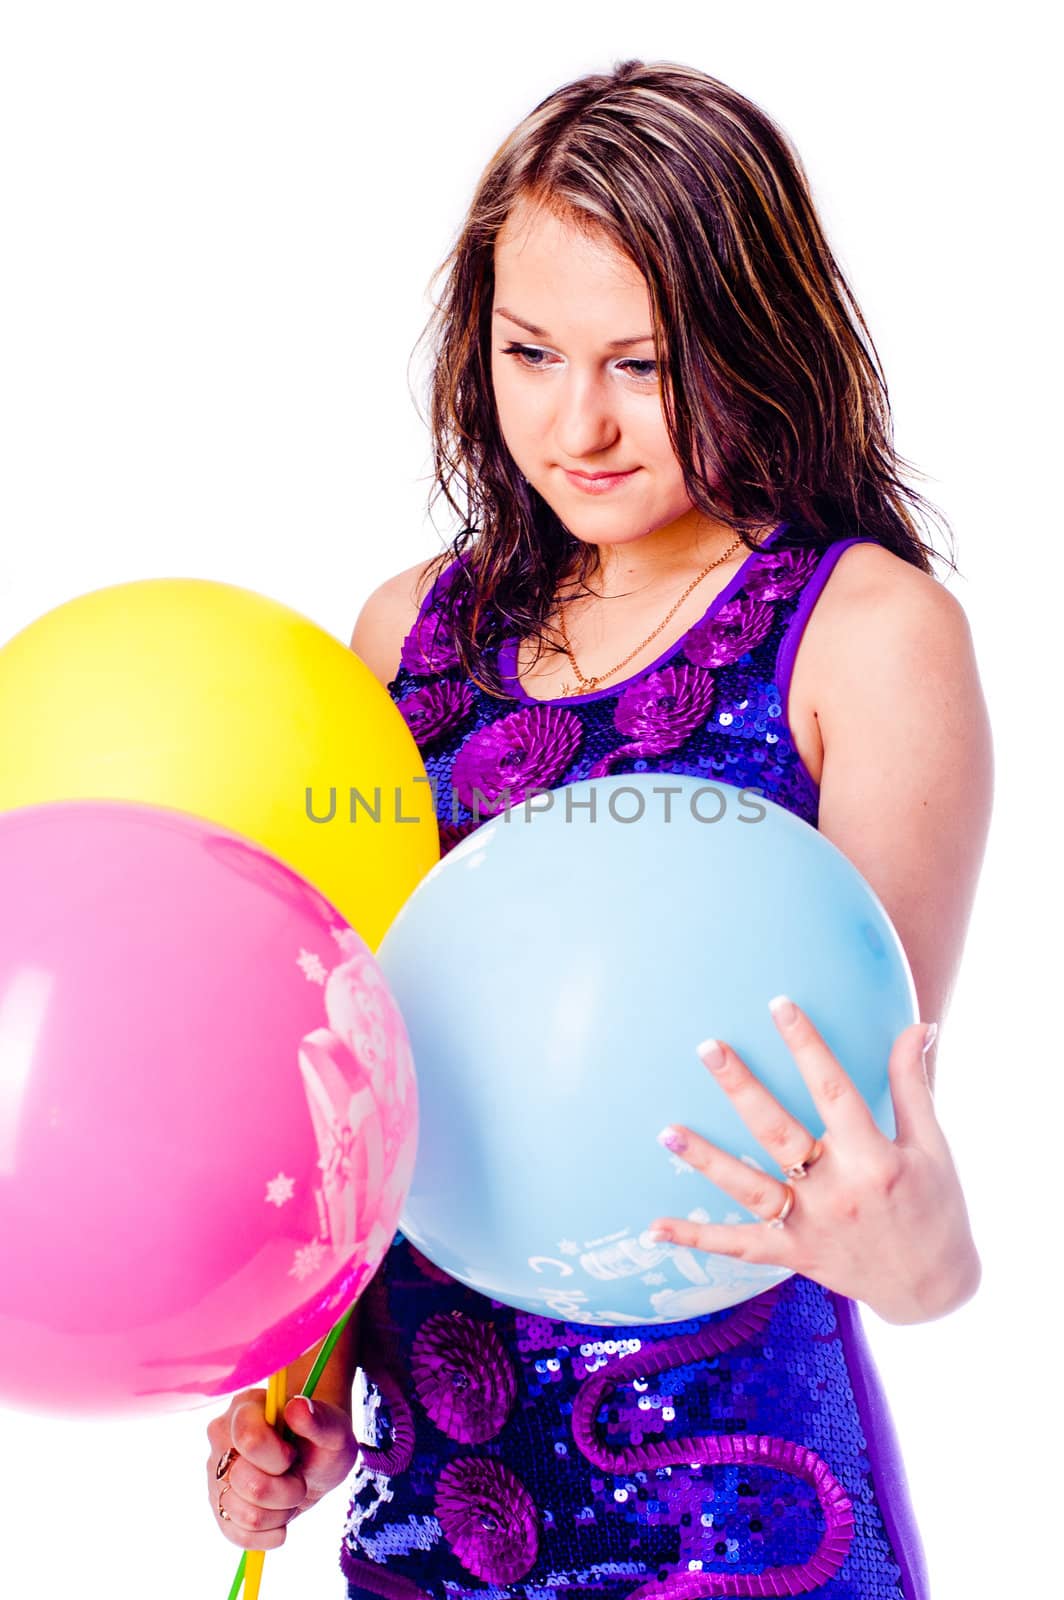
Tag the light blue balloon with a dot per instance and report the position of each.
(556, 971)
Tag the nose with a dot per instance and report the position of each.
(585, 423)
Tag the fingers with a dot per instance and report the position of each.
(777, 1132)
(914, 1104)
(758, 1191)
(742, 1241)
(840, 1103)
(328, 1446)
(256, 1440)
(325, 1425)
(251, 1526)
(262, 1486)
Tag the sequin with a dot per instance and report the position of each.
(435, 710)
(489, 1518)
(743, 1453)
(526, 750)
(736, 628)
(463, 1376)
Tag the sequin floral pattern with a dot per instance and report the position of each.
(518, 1458)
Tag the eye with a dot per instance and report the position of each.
(525, 354)
(650, 366)
(523, 351)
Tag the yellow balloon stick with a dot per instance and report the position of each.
(276, 1391)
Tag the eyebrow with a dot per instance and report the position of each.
(541, 333)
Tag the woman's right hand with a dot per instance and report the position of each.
(271, 1481)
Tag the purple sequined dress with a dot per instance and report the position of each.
(748, 1452)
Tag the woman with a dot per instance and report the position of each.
(689, 549)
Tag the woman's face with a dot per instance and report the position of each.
(583, 391)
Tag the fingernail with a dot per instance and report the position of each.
(783, 1009)
(711, 1053)
(309, 1405)
(672, 1139)
(929, 1037)
(656, 1235)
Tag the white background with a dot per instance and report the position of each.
(219, 224)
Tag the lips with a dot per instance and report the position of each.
(598, 482)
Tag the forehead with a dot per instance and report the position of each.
(537, 245)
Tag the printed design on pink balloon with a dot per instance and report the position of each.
(431, 712)
(737, 627)
(660, 711)
(280, 1190)
(352, 1165)
(308, 1260)
(358, 1077)
(524, 751)
(363, 1014)
(311, 966)
(463, 1376)
(489, 1518)
(743, 1324)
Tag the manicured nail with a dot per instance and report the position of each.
(711, 1053)
(783, 1009)
(672, 1139)
(310, 1406)
(656, 1235)
(929, 1037)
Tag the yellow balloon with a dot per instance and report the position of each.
(215, 700)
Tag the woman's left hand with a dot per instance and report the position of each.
(878, 1220)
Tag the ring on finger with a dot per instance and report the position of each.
(225, 1462)
(222, 1512)
(785, 1210)
(799, 1170)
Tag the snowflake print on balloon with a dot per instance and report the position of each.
(280, 1190)
(311, 966)
(308, 1258)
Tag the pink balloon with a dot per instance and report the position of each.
(208, 1110)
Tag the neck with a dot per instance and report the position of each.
(664, 559)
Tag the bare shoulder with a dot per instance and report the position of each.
(874, 602)
(387, 616)
(879, 630)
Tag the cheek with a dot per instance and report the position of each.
(514, 406)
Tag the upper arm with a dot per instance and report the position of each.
(386, 618)
(907, 784)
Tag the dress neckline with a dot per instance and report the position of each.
(507, 659)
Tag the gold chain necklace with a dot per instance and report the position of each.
(585, 685)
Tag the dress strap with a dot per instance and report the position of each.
(811, 592)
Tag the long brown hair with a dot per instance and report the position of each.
(770, 379)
